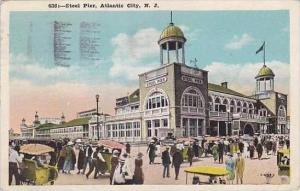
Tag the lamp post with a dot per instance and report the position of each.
(268, 124)
(97, 101)
(227, 124)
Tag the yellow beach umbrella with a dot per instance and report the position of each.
(35, 149)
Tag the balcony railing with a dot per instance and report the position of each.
(157, 111)
(186, 109)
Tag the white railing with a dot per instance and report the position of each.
(186, 109)
(157, 111)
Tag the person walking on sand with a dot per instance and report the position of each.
(239, 167)
(166, 161)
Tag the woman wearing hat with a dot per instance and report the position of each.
(138, 176)
(114, 163)
(215, 152)
(230, 167)
(69, 161)
(81, 158)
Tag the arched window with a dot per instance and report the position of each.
(238, 106)
(156, 100)
(245, 107)
(217, 103)
(210, 101)
(192, 97)
(232, 106)
(281, 111)
(224, 106)
(251, 108)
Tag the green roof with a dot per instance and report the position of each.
(265, 71)
(221, 89)
(135, 96)
(45, 125)
(171, 31)
(74, 122)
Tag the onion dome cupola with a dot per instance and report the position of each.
(23, 121)
(171, 43)
(265, 79)
(63, 118)
(36, 119)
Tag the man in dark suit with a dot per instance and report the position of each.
(221, 151)
(177, 160)
(88, 150)
(166, 161)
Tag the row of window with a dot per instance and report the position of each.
(70, 129)
(232, 108)
(156, 100)
(154, 124)
(129, 129)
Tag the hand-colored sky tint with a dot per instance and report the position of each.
(220, 40)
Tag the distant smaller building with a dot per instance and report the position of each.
(12, 134)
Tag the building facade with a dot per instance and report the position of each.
(175, 99)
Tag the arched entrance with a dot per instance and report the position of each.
(248, 129)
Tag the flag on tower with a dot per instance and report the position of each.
(261, 48)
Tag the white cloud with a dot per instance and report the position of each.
(134, 54)
(237, 42)
(189, 34)
(240, 77)
(22, 67)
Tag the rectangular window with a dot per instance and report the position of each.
(194, 101)
(148, 128)
(156, 123)
(153, 103)
(190, 101)
(165, 122)
(158, 102)
(162, 101)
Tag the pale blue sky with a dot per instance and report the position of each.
(230, 37)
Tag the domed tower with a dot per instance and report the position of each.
(264, 80)
(171, 43)
(36, 119)
(63, 118)
(23, 121)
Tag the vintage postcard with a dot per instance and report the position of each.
(166, 95)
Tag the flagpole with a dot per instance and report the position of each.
(264, 53)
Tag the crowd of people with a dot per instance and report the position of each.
(235, 149)
(126, 168)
